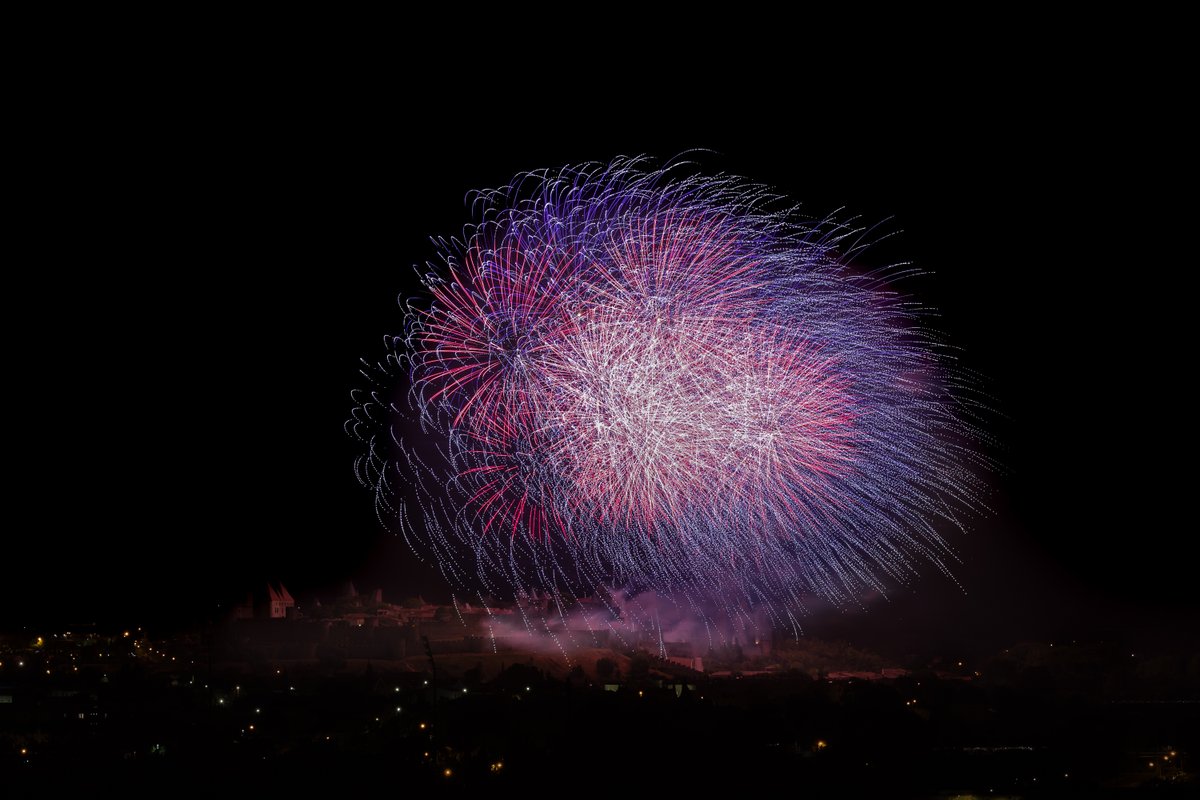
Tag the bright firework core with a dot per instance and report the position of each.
(698, 413)
(648, 381)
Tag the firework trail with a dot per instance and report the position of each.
(627, 377)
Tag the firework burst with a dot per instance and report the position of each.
(635, 378)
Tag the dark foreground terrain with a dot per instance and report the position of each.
(1075, 720)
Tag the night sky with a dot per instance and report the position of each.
(211, 266)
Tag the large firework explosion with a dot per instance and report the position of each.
(631, 379)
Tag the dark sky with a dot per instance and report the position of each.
(212, 264)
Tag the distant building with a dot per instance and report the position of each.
(280, 601)
(276, 602)
(245, 610)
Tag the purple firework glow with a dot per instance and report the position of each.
(657, 381)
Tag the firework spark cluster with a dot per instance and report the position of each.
(629, 378)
